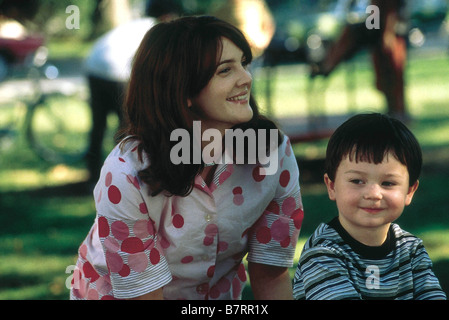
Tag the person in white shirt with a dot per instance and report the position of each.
(108, 67)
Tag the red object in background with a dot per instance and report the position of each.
(17, 50)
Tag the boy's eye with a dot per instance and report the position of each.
(388, 184)
(356, 181)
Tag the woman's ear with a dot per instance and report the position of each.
(330, 187)
(189, 102)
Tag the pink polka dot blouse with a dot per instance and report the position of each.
(191, 246)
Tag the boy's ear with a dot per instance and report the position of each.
(411, 192)
(330, 187)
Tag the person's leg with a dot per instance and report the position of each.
(389, 66)
(105, 96)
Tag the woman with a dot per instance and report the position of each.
(180, 231)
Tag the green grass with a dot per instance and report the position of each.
(42, 225)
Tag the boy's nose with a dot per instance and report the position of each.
(373, 192)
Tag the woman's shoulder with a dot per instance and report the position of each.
(126, 157)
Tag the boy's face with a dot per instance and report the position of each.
(370, 196)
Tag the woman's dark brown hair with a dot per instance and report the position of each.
(174, 62)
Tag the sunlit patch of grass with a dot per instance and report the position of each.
(436, 243)
(21, 179)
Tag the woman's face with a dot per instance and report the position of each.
(224, 101)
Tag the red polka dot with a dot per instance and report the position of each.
(237, 190)
(258, 173)
(241, 272)
(103, 286)
(288, 149)
(211, 271)
(222, 246)
(214, 292)
(273, 207)
(133, 180)
(111, 244)
(150, 226)
(103, 227)
(99, 196)
(223, 176)
(90, 272)
(279, 230)
(164, 243)
(92, 294)
(114, 194)
(125, 271)
(211, 230)
(138, 262)
(108, 179)
(224, 285)
(83, 251)
(263, 235)
(149, 244)
(143, 208)
(114, 261)
(238, 199)
(141, 229)
(132, 245)
(285, 243)
(236, 288)
(121, 159)
(208, 241)
(120, 230)
(155, 257)
(288, 206)
(178, 221)
(187, 259)
(297, 217)
(284, 179)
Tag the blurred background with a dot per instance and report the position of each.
(46, 205)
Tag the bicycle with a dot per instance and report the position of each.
(57, 118)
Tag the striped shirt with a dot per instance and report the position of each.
(335, 266)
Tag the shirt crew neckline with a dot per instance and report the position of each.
(367, 252)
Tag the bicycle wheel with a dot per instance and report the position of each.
(57, 127)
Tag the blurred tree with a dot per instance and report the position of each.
(48, 16)
(20, 10)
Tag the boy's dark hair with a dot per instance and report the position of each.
(369, 137)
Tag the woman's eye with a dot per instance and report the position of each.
(224, 70)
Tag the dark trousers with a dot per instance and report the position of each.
(105, 96)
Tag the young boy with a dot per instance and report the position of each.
(372, 167)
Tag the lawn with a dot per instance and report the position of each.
(42, 221)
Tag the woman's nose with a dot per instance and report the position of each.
(245, 78)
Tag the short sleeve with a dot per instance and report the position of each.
(274, 236)
(128, 233)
